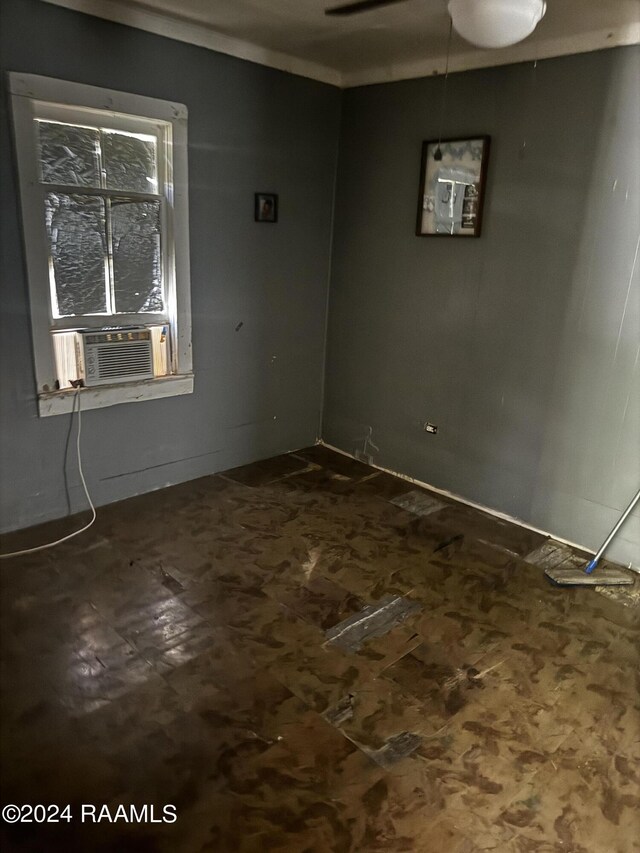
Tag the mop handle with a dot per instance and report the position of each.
(591, 566)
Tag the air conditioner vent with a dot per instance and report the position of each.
(116, 355)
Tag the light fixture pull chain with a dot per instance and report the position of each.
(531, 95)
(437, 155)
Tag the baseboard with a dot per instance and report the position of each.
(494, 512)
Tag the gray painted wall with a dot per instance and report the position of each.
(258, 390)
(523, 345)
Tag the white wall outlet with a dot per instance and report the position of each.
(429, 427)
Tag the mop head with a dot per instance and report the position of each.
(578, 577)
(563, 566)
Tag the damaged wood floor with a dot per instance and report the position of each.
(308, 655)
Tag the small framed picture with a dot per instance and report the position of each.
(265, 207)
(452, 181)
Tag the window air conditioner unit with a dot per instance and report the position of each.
(115, 355)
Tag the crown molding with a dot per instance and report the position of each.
(142, 17)
(175, 27)
(528, 51)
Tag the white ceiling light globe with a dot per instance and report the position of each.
(496, 23)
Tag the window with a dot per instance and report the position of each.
(103, 180)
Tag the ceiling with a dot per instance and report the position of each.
(390, 43)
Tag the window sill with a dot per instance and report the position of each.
(61, 402)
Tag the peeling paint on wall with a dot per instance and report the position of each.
(364, 455)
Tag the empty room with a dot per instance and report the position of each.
(320, 426)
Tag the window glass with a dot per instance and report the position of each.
(69, 154)
(137, 268)
(85, 230)
(77, 245)
(130, 161)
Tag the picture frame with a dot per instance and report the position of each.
(265, 207)
(453, 176)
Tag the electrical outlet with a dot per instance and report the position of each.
(429, 427)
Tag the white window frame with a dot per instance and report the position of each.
(36, 97)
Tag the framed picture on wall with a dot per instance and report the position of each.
(453, 174)
(265, 207)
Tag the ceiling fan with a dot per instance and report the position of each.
(359, 6)
(484, 23)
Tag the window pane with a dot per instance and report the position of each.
(76, 230)
(130, 162)
(137, 267)
(69, 154)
